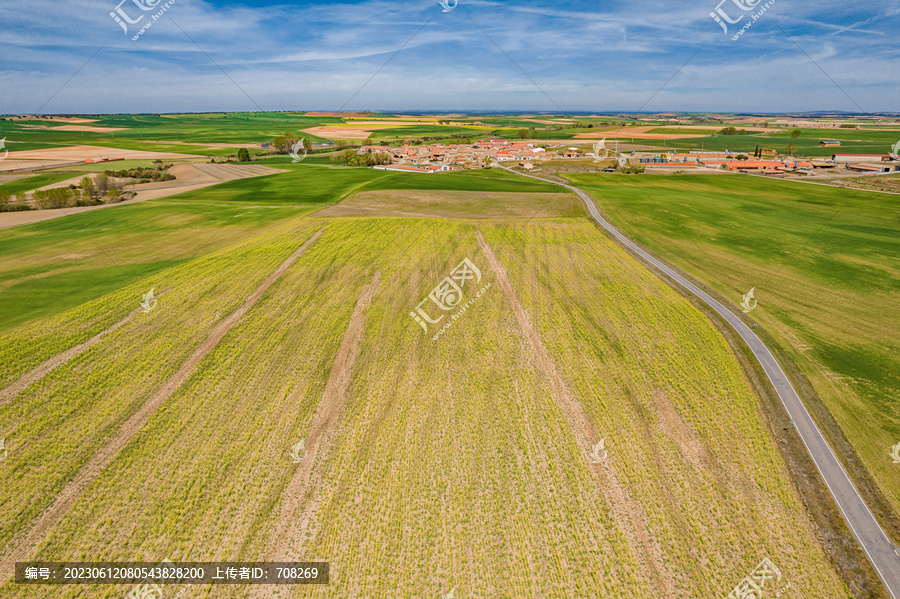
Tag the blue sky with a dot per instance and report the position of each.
(483, 55)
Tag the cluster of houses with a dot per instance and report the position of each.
(770, 164)
(437, 158)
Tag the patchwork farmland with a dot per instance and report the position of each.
(451, 385)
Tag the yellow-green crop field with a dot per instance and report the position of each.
(447, 464)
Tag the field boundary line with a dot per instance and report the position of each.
(26, 544)
(882, 553)
(295, 514)
(629, 514)
(60, 359)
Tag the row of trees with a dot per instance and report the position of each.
(349, 157)
(91, 192)
(284, 144)
(144, 175)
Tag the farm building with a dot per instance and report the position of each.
(829, 143)
(839, 158)
(745, 165)
(874, 169)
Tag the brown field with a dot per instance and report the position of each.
(454, 204)
(338, 132)
(86, 152)
(58, 156)
(89, 128)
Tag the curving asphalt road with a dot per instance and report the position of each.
(881, 552)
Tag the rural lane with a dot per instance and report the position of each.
(880, 550)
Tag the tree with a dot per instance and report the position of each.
(523, 134)
(53, 198)
(791, 149)
(284, 144)
(349, 156)
(795, 133)
(115, 195)
(102, 183)
(243, 155)
(4, 198)
(728, 131)
(87, 187)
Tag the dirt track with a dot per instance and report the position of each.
(24, 546)
(300, 498)
(629, 514)
(7, 395)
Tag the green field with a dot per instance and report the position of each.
(864, 141)
(824, 263)
(55, 265)
(461, 463)
(192, 128)
(38, 181)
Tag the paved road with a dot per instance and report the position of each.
(882, 553)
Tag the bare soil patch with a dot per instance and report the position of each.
(338, 132)
(25, 159)
(89, 128)
(454, 204)
(88, 152)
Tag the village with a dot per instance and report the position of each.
(439, 157)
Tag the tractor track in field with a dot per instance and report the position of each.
(300, 499)
(882, 553)
(629, 514)
(45, 368)
(26, 544)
